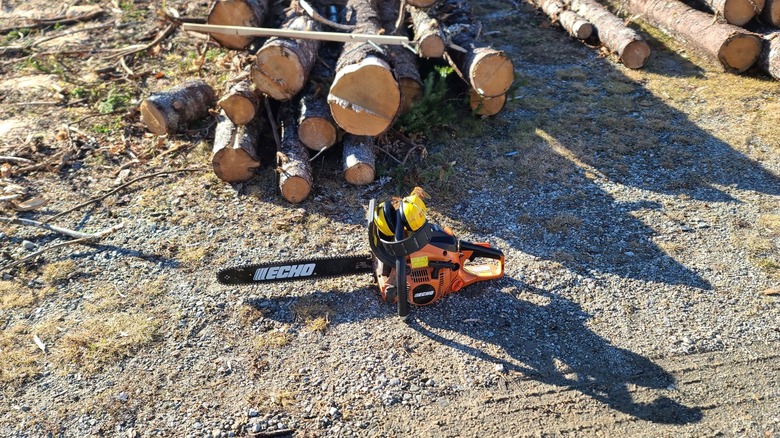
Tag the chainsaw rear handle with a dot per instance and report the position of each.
(481, 249)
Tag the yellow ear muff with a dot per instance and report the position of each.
(412, 215)
(416, 200)
(384, 218)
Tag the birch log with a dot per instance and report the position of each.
(736, 12)
(769, 61)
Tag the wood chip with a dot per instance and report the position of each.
(39, 343)
(31, 204)
(772, 291)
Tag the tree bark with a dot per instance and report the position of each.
(486, 106)
(575, 25)
(295, 175)
(282, 65)
(736, 12)
(770, 15)
(427, 33)
(632, 50)
(359, 159)
(365, 97)
(234, 155)
(171, 110)
(490, 72)
(403, 60)
(249, 13)
(769, 61)
(240, 103)
(732, 47)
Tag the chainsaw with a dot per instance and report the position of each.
(408, 254)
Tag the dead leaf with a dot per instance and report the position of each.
(31, 204)
(772, 291)
(6, 171)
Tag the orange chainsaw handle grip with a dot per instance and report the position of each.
(469, 274)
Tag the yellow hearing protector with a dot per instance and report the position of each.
(413, 212)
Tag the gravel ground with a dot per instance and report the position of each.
(640, 223)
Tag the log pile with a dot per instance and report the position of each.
(313, 95)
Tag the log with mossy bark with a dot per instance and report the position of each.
(488, 71)
(172, 110)
(427, 33)
(359, 159)
(732, 47)
(365, 97)
(404, 61)
(282, 65)
(240, 103)
(629, 46)
(235, 156)
(736, 12)
(247, 13)
(295, 174)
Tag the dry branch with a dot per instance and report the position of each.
(730, 46)
(45, 226)
(632, 50)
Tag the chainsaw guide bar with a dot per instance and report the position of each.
(290, 270)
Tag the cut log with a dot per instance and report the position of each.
(295, 176)
(730, 46)
(234, 155)
(240, 103)
(632, 50)
(317, 129)
(736, 12)
(282, 65)
(404, 62)
(427, 33)
(486, 70)
(249, 13)
(359, 159)
(769, 61)
(171, 110)
(486, 106)
(365, 97)
(575, 25)
(770, 15)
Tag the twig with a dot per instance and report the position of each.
(319, 153)
(142, 47)
(317, 17)
(278, 141)
(15, 160)
(86, 29)
(9, 198)
(401, 15)
(92, 238)
(45, 22)
(389, 154)
(48, 227)
(100, 198)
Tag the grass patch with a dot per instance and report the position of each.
(13, 295)
(562, 223)
(103, 340)
(272, 340)
(59, 272)
(19, 355)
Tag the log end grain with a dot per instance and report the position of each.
(231, 13)
(360, 174)
(365, 98)
(575, 25)
(431, 46)
(154, 119)
(491, 72)
(238, 108)
(359, 160)
(278, 72)
(635, 54)
(317, 133)
(486, 106)
(739, 52)
(295, 188)
(739, 12)
(234, 165)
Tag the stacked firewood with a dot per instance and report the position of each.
(734, 34)
(326, 94)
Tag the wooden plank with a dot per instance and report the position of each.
(287, 33)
